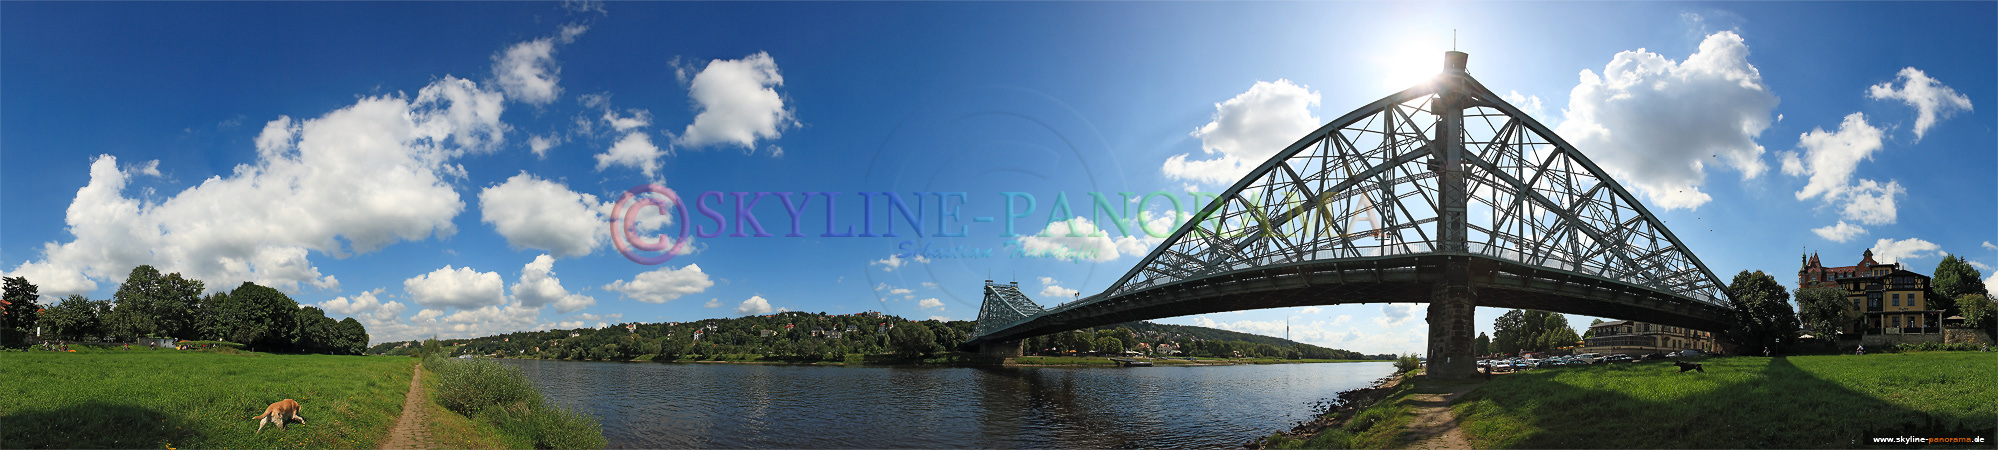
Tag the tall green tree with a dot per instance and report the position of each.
(914, 339)
(262, 318)
(1824, 310)
(1531, 330)
(1763, 316)
(353, 337)
(1955, 278)
(74, 318)
(18, 319)
(1980, 312)
(1482, 346)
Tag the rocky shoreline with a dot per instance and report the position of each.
(1333, 412)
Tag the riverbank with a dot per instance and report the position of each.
(1754, 402)
(1739, 402)
(170, 399)
(1368, 417)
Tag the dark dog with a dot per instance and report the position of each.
(1685, 366)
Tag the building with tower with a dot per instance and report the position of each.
(1891, 299)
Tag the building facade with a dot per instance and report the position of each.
(1889, 298)
(1636, 338)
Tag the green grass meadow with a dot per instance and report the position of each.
(1831, 401)
(176, 399)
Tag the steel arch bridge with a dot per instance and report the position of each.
(1441, 194)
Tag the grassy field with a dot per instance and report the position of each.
(1740, 402)
(174, 399)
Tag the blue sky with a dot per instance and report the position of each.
(447, 168)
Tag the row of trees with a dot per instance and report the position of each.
(790, 335)
(1526, 331)
(149, 304)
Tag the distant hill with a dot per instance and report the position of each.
(813, 335)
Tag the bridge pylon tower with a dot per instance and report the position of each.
(1003, 305)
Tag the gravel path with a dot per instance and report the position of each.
(410, 432)
(1435, 426)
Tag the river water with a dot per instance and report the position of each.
(649, 405)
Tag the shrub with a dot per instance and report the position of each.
(1407, 363)
(471, 385)
(499, 394)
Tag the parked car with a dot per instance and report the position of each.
(1588, 358)
(1690, 353)
(1618, 358)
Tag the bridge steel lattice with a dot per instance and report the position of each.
(1441, 194)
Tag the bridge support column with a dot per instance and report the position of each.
(1005, 349)
(1452, 312)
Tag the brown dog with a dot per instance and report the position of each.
(277, 413)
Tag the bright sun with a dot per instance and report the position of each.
(1409, 67)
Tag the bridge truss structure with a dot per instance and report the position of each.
(1442, 193)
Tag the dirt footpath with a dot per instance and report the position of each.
(1435, 426)
(410, 431)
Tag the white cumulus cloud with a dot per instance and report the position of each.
(1393, 314)
(1931, 99)
(351, 181)
(1052, 289)
(1840, 232)
(736, 103)
(462, 288)
(1889, 250)
(635, 151)
(542, 214)
(930, 303)
(1247, 130)
(538, 286)
(663, 284)
(1656, 124)
(756, 304)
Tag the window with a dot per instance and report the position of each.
(1897, 299)
(1897, 321)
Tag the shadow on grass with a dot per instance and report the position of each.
(1773, 405)
(95, 425)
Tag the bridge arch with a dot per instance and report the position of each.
(1466, 201)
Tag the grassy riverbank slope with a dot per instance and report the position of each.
(1740, 402)
(156, 399)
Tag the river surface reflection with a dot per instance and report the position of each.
(648, 405)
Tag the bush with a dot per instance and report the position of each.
(472, 385)
(1407, 363)
(1938, 346)
(499, 394)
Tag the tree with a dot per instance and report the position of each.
(1109, 344)
(1979, 312)
(1530, 330)
(261, 317)
(1955, 278)
(353, 337)
(914, 339)
(1824, 310)
(1591, 332)
(1482, 346)
(18, 318)
(1763, 316)
(74, 318)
